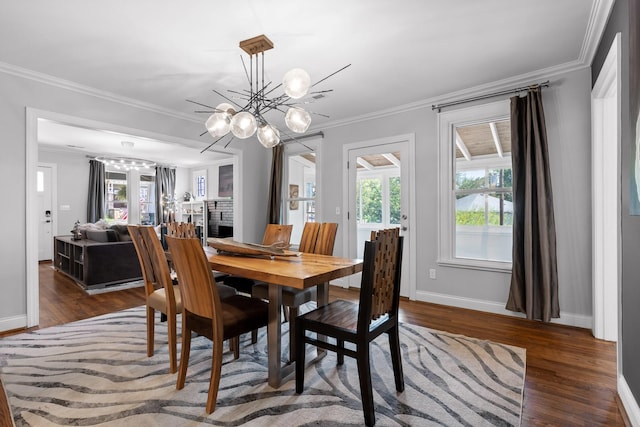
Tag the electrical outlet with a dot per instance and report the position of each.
(337, 210)
(432, 273)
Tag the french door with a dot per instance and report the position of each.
(379, 197)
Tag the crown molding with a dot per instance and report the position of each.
(499, 85)
(598, 18)
(87, 90)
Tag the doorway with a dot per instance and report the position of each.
(33, 116)
(380, 177)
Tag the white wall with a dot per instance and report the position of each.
(567, 111)
(40, 93)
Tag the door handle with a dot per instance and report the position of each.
(404, 228)
(47, 221)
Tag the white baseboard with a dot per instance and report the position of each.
(569, 319)
(11, 323)
(628, 401)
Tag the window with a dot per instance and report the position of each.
(147, 199)
(476, 199)
(117, 203)
(200, 184)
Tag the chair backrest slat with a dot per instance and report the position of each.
(326, 238)
(380, 287)
(197, 284)
(309, 237)
(159, 261)
(277, 233)
(181, 229)
(148, 274)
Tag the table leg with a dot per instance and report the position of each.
(274, 336)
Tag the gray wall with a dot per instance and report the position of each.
(624, 13)
(72, 187)
(567, 110)
(17, 94)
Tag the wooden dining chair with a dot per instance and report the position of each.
(360, 323)
(274, 234)
(309, 237)
(292, 298)
(161, 295)
(205, 313)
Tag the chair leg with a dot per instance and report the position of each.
(300, 355)
(234, 343)
(340, 352)
(184, 354)
(293, 313)
(151, 324)
(254, 336)
(171, 326)
(366, 390)
(214, 381)
(396, 357)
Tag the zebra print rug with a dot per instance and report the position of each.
(96, 372)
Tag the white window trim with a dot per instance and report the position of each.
(447, 122)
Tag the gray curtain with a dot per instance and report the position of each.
(165, 187)
(95, 201)
(275, 185)
(534, 279)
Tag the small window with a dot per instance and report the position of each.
(117, 202)
(476, 198)
(147, 199)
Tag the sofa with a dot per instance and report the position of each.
(101, 258)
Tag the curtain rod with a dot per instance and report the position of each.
(489, 95)
(297, 138)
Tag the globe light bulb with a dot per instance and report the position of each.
(296, 83)
(297, 119)
(243, 125)
(218, 124)
(268, 135)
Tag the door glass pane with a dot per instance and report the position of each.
(394, 200)
(117, 208)
(369, 200)
(147, 200)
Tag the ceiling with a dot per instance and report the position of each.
(401, 53)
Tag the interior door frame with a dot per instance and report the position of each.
(606, 204)
(409, 141)
(32, 115)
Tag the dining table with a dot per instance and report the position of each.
(301, 271)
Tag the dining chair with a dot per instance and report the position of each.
(318, 238)
(362, 322)
(204, 312)
(161, 295)
(274, 234)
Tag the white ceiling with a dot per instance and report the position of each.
(163, 52)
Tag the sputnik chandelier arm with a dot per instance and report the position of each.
(244, 112)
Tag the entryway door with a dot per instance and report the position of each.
(44, 188)
(380, 179)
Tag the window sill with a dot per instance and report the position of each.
(498, 267)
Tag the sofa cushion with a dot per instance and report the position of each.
(102, 235)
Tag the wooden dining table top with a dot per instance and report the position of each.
(300, 272)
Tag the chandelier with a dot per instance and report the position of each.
(244, 113)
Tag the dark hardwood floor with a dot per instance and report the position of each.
(570, 376)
